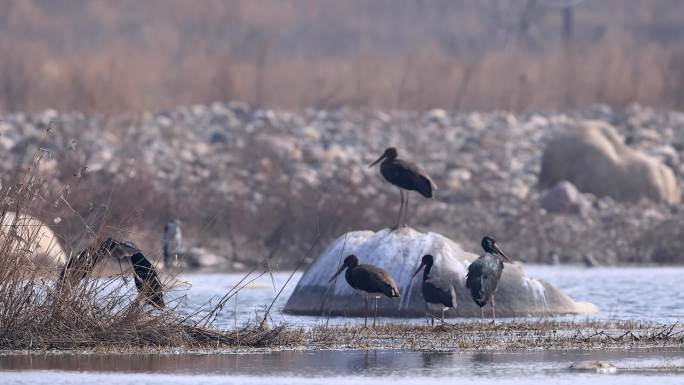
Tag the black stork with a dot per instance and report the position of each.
(80, 265)
(147, 280)
(435, 291)
(369, 279)
(484, 275)
(406, 176)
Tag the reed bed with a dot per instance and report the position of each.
(40, 311)
(517, 335)
(37, 313)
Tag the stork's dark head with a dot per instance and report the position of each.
(427, 261)
(489, 245)
(110, 248)
(390, 154)
(350, 262)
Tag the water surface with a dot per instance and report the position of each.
(340, 367)
(619, 294)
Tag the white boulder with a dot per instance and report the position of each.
(26, 237)
(399, 252)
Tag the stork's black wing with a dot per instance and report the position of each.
(408, 176)
(373, 279)
(147, 280)
(483, 278)
(440, 292)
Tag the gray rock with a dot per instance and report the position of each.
(399, 252)
(667, 154)
(564, 197)
(218, 137)
(595, 159)
(199, 258)
(457, 178)
(437, 116)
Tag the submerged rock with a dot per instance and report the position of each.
(594, 366)
(399, 252)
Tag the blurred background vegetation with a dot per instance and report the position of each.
(130, 55)
(247, 178)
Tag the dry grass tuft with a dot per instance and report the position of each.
(518, 335)
(38, 310)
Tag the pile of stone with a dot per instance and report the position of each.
(554, 187)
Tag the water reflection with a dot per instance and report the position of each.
(325, 363)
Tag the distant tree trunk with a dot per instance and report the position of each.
(260, 74)
(568, 23)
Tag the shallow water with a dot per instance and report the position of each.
(650, 294)
(339, 367)
(639, 293)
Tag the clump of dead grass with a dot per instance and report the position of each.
(38, 311)
(516, 335)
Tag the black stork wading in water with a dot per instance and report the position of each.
(368, 279)
(406, 176)
(484, 275)
(435, 291)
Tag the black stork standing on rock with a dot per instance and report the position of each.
(406, 176)
(435, 291)
(369, 279)
(484, 275)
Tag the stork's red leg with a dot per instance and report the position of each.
(375, 314)
(482, 316)
(406, 206)
(401, 209)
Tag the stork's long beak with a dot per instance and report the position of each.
(341, 269)
(418, 270)
(121, 250)
(501, 253)
(377, 161)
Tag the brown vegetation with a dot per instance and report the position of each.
(92, 310)
(469, 54)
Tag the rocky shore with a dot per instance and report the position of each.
(248, 183)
